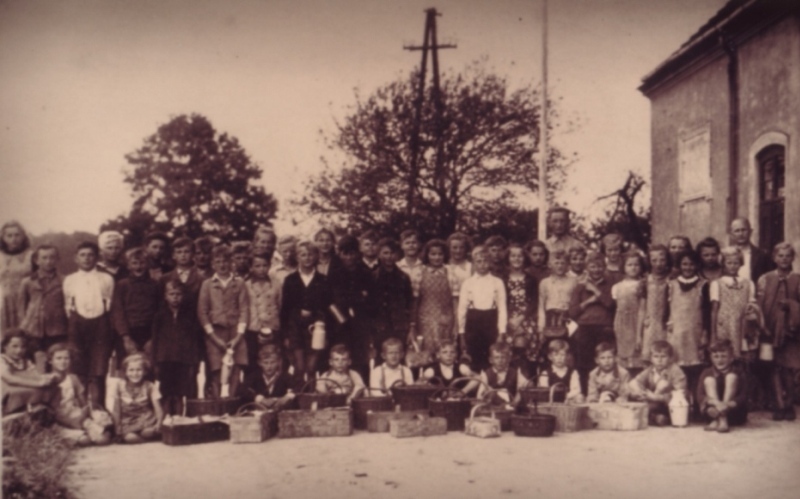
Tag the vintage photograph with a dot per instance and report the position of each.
(402, 249)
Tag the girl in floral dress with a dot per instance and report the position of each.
(522, 293)
(137, 409)
(435, 314)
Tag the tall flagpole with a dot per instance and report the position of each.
(542, 222)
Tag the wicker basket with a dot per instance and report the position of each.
(455, 409)
(253, 423)
(188, 431)
(482, 426)
(322, 400)
(502, 413)
(527, 422)
(418, 426)
(378, 422)
(531, 395)
(364, 405)
(569, 418)
(212, 407)
(330, 422)
(414, 397)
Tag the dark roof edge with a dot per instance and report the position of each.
(707, 39)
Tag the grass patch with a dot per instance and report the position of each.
(36, 460)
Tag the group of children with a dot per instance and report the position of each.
(607, 324)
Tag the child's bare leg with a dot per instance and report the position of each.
(710, 387)
(216, 383)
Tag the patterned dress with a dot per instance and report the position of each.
(435, 314)
(520, 306)
(629, 295)
(655, 318)
(686, 302)
(13, 269)
(733, 296)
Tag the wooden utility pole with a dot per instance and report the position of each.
(429, 43)
(542, 222)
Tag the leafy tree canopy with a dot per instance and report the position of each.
(188, 179)
(488, 165)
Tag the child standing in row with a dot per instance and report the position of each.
(555, 295)
(629, 294)
(656, 298)
(266, 298)
(44, 319)
(176, 347)
(411, 264)
(482, 313)
(15, 265)
(111, 244)
(577, 263)
(136, 300)
(708, 251)
(325, 240)
(459, 267)
(222, 311)
(678, 245)
(523, 293)
(612, 247)
(779, 297)
(394, 297)
(730, 298)
(538, 254)
(88, 296)
(435, 315)
(608, 382)
(496, 252)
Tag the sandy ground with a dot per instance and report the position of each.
(762, 460)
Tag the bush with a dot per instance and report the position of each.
(36, 460)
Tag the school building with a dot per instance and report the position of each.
(725, 131)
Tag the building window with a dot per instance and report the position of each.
(771, 181)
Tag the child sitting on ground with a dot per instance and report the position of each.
(71, 407)
(22, 384)
(390, 371)
(500, 377)
(270, 386)
(608, 382)
(657, 383)
(345, 380)
(446, 369)
(558, 372)
(722, 390)
(136, 403)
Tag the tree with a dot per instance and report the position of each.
(187, 179)
(622, 215)
(488, 162)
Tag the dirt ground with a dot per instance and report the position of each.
(761, 460)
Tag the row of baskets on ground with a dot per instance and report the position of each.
(405, 411)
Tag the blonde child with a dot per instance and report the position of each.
(345, 380)
(629, 295)
(287, 249)
(22, 384)
(722, 390)
(270, 386)
(44, 319)
(608, 382)
(555, 294)
(657, 383)
(731, 297)
(500, 377)
(558, 372)
(459, 268)
(482, 312)
(779, 297)
(222, 310)
(391, 370)
(447, 368)
(656, 303)
(72, 410)
(522, 293)
(136, 403)
(411, 264)
(434, 315)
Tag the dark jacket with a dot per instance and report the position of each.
(393, 300)
(136, 301)
(760, 263)
(254, 385)
(316, 298)
(177, 338)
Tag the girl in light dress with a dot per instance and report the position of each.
(136, 403)
(435, 315)
(629, 294)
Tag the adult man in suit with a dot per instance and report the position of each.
(756, 261)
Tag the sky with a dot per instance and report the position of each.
(82, 83)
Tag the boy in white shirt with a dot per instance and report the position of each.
(390, 371)
(87, 296)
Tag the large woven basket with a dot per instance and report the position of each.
(253, 423)
(414, 397)
(370, 403)
(322, 400)
(189, 431)
(449, 403)
(330, 422)
(212, 407)
(482, 426)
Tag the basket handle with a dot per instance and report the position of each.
(251, 405)
(553, 390)
(478, 406)
(317, 380)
